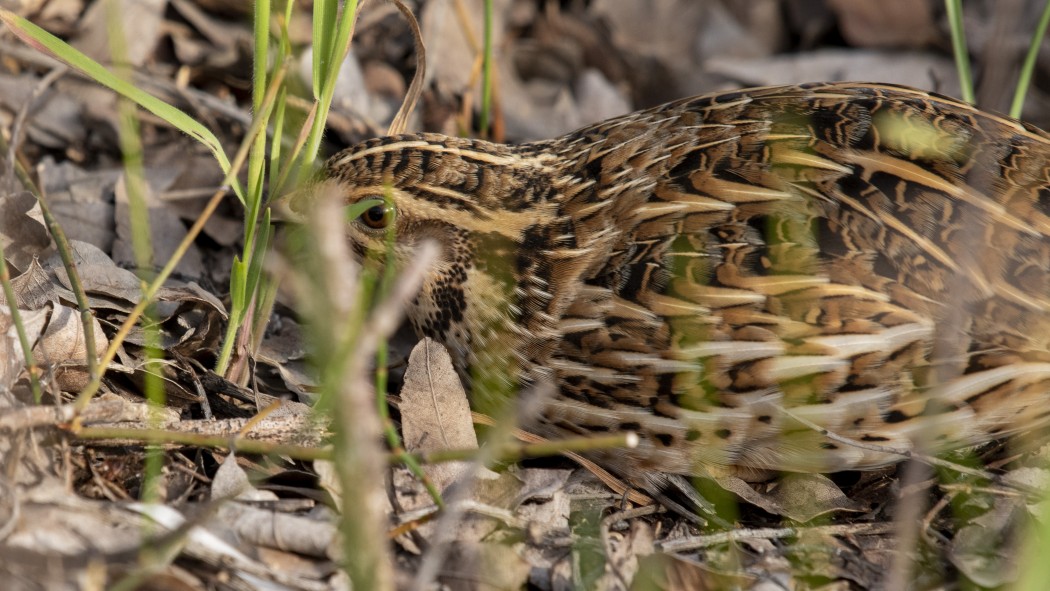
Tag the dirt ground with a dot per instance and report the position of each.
(69, 510)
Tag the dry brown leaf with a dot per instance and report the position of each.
(633, 25)
(190, 317)
(598, 97)
(63, 347)
(59, 16)
(483, 567)
(166, 232)
(533, 109)
(57, 119)
(100, 276)
(12, 360)
(987, 549)
(22, 231)
(33, 289)
(81, 202)
(435, 413)
(452, 48)
(1033, 478)
(804, 497)
(800, 497)
(232, 482)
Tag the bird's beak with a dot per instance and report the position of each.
(289, 208)
(294, 207)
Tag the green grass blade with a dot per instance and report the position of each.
(337, 49)
(962, 55)
(16, 321)
(1025, 78)
(261, 61)
(324, 26)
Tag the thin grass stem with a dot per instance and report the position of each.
(1024, 79)
(962, 55)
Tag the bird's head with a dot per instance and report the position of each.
(490, 208)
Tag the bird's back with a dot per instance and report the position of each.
(746, 270)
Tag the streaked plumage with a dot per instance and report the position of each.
(870, 258)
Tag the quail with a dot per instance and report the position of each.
(798, 278)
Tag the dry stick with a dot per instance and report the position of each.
(410, 521)
(927, 522)
(743, 535)
(176, 438)
(539, 449)
(43, 416)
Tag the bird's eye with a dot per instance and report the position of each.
(378, 217)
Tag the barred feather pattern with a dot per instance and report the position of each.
(733, 276)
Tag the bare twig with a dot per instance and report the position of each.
(742, 535)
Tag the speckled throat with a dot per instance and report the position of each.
(730, 274)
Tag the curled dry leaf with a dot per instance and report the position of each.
(328, 479)
(107, 285)
(190, 318)
(33, 289)
(283, 351)
(22, 231)
(800, 497)
(231, 481)
(805, 497)
(12, 360)
(986, 550)
(63, 348)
